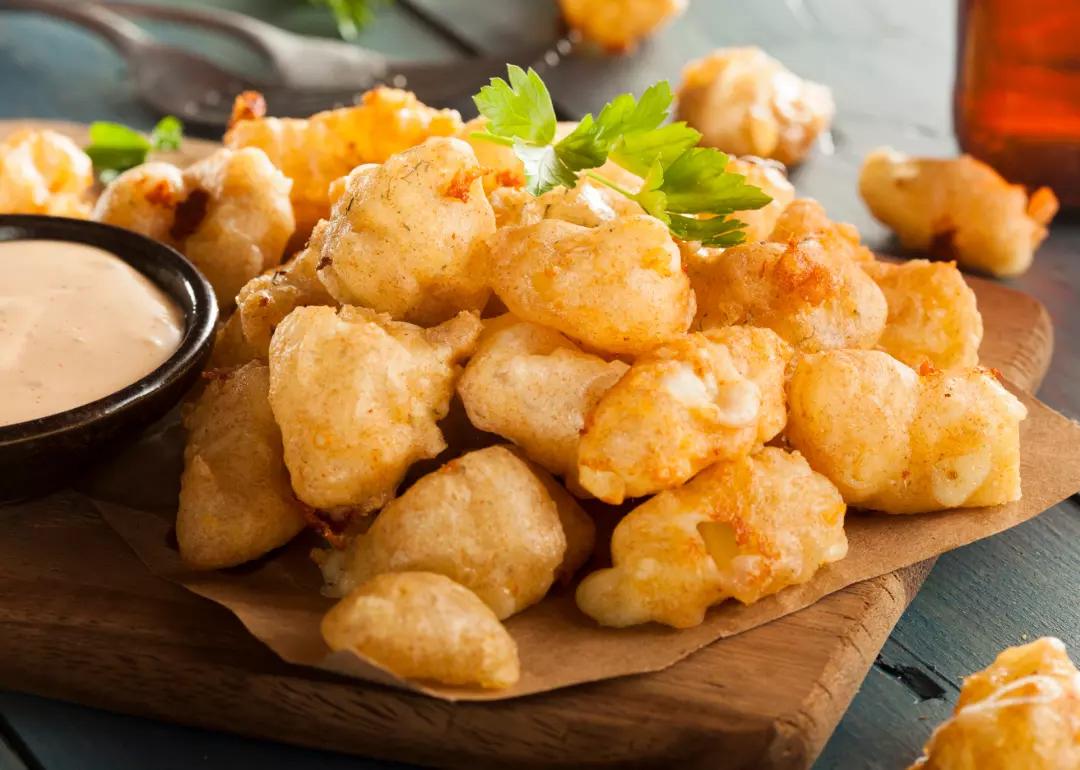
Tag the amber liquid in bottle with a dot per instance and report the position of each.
(1017, 97)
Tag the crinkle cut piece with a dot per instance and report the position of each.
(740, 529)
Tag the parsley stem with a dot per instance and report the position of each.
(605, 181)
(505, 141)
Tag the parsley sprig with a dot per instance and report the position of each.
(115, 148)
(685, 186)
(351, 16)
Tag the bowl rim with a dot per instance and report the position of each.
(199, 308)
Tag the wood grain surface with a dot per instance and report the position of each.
(84, 621)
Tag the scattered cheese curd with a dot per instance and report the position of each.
(235, 500)
(958, 208)
(619, 25)
(1020, 713)
(747, 103)
(44, 172)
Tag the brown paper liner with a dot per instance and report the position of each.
(277, 598)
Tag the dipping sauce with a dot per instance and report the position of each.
(76, 324)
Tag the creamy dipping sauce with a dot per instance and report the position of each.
(76, 324)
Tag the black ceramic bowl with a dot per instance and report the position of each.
(46, 453)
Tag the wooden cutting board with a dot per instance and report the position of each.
(83, 620)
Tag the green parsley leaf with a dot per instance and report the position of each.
(544, 168)
(685, 186)
(626, 115)
(651, 197)
(167, 134)
(115, 148)
(351, 16)
(520, 109)
(716, 231)
(637, 152)
(624, 119)
(697, 182)
(579, 149)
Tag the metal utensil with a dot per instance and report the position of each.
(168, 78)
(298, 82)
(316, 73)
(299, 61)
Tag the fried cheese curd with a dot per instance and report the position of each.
(681, 407)
(143, 199)
(745, 102)
(806, 218)
(267, 299)
(422, 625)
(742, 529)
(933, 315)
(618, 26)
(957, 208)
(587, 203)
(1020, 713)
(357, 396)
(44, 172)
(485, 520)
(406, 238)
(770, 176)
(315, 151)
(533, 386)
(900, 441)
(230, 348)
(228, 213)
(578, 526)
(236, 503)
(619, 288)
(814, 298)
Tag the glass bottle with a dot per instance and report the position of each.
(1017, 96)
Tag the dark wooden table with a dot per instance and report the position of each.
(890, 66)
